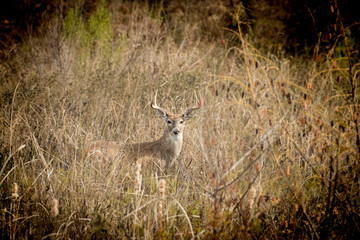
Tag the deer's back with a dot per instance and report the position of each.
(105, 149)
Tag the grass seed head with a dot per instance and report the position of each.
(162, 186)
(55, 208)
(15, 193)
(251, 197)
(287, 172)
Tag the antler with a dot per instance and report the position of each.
(154, 105)
(161, 112)
(188, 114)
(200, 104)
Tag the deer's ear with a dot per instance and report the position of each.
(162, 114)
(188, 114)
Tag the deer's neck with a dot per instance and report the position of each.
(172, 143)
(167, 147)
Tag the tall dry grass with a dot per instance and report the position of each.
(272, 154)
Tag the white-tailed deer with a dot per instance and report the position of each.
(167, 148)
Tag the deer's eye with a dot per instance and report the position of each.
(169, 122)
(181, 122)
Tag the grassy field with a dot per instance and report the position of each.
(272, 154)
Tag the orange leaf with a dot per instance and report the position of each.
(287, 172)
(258, 167)
(304, 103)
(310, 85)
(334, 65)
(201, 102)
(339, 80)
(215, 92)
(275, 201)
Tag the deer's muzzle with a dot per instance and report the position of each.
(176, 131)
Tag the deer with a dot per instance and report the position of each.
(167, 148)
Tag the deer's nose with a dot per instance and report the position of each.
(176, 131)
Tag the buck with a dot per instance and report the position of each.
(167, 148)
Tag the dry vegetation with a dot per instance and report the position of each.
(273, 154)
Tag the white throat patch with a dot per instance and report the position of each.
(177, 137)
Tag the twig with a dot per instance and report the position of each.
(187, 217)
(264, 137)
(138, 209)
(7, 160)
(241, 174)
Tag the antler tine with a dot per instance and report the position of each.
(190, 110)
(154, 104)
(200, 104)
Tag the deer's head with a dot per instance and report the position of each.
(175, 122)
